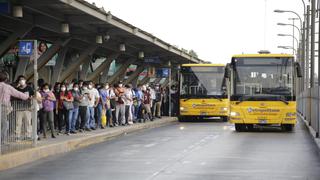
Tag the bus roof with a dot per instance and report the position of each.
(203, 65)
(261, 55)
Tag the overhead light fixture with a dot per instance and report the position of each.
(17, 11)
(99, 39)
(65, 28)
(141, 55)
(122, 47)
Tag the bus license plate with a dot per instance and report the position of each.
(203, 113)
(263, 121)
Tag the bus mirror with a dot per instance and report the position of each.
(298, 69)
(227, 71)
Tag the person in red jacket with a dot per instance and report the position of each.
(65, 111)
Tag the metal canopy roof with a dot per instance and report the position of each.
(86, 21)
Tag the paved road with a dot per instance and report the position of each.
(185, 151)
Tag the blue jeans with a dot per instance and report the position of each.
(99, 115)
(74, 119)
(69, 120)
(91, 120)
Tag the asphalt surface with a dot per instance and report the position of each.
(185, 151)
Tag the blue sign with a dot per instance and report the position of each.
(154, 59)
(4, 7)
(162, 72)
(25, 48)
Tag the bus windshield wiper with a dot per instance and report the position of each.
(241, 99)
(186, 99)
(283, 99)
(217, 97)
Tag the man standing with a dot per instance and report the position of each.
(93, 103)
(157, 102)
(128, 100)
(83, 107)
(120, 106)
(24, 113)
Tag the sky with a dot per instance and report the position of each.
(214, 29)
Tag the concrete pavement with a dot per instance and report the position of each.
(185, 151)
(63, 144)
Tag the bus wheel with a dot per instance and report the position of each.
(250, 127)
(240, 127)
(287, 127)
(224, 118)
(182, 119)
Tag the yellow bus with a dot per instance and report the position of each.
(203, 92)
(262, 90)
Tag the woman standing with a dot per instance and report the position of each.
(65, 106)
(48, 100)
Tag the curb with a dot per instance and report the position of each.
(311, 131)
(15, 159)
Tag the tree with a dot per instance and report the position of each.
(193, 53)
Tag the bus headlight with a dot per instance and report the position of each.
(224, 109)
(234, 114)
(290, 114)
(183, 109)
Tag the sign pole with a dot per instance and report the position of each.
(170, 105)
(35, 78)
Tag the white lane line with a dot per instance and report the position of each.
(150, 145)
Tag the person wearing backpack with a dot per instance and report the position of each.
(48, 99)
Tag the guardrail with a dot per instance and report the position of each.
(308, 106)
(18, 126)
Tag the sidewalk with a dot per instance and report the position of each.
(311, 130)
(63, 143)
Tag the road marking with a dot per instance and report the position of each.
(150, 145)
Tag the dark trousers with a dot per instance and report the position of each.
(62, 118)
(83, 116)
(109, 117)
(47, 118)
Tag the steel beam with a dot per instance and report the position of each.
(116, 76)
(19, 33)
(59, 65)
(22, 66)
(134, 75)
(165, 83)
(85, 55)
(104, 67)
(85, 70)
(46, 56)
(157, 80)
(145, 80)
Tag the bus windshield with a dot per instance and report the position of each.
(202, 81)
(269, 78)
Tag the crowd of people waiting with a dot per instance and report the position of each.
(79, 106)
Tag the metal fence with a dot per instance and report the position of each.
(18, 126)
(308, 107)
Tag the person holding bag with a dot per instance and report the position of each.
(48, 100)
(65, 108)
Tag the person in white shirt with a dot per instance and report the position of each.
(93, 103)
(128, 101)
